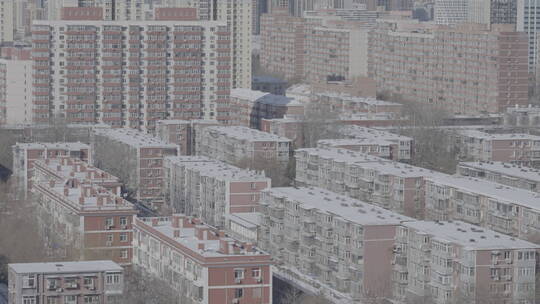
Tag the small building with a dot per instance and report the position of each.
(66, 282)
(269, 84)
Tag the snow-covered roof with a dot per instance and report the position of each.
(250, 220)
(72, 146)
(505, 136)
(66, 267)
(134, 138)
(370, 133)
(217, 169)
(245, 133)
(331, 203)
(507, 169)
(493, 190)
(469, 236)
(353, 142)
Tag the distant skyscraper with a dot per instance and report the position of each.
(528, 20)
(451, 11)
(6, 21)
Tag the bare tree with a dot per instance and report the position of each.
(320, 122)
(434, 146)
(281, 174)
(142, 288)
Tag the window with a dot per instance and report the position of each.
(113, 299)
(239, 274)
(110, 237)
(238, 293)
(52, 300)
(109, 222)
(256, 273)
(112, 279)
(70, 299)
(52, 284)
(123, 237)
(88, 282)
(123, 221)
(91, 299)
(124, 253)
(28, 281)
(29, 300)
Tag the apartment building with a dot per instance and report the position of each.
(236, 144)
(503, 173)
(491, 205)
(80, 211)
(182, 132)
(249, 107)
(336, 52)
(65, 282)
(130, 73)
(200, 263)
(283, 44)
(291, 128)
(25, 154)
(402, 146)
(16, 91)
(406, 58)
(341, 244)
(456, 262)
(451, 12)
(244, 226)
(516, 148)
(137, 159)
(380, 148)
(211, 190)
(6, 22)
(522, 116)
(395, 186)
(345, 103)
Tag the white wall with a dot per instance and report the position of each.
(18, 91)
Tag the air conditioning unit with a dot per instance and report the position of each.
(59, 290)
(108, 227)
(259, 280)
(235, 301)
(238, 280)
(124, 227)
(109, 243)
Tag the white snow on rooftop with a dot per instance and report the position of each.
(342, 155)
(489, 136)
(353, 142)
(369, 133)
(245, 133)
(349, 209)
(505, 169)
(468, 235)
(57, 145)
(134, 138)
(217, 169)
(66, 267)
(247, 219)
(496, 191)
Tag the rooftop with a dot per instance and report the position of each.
(369, 133)
(342, 155)
(58, 145)
(64, 168)
(186, 236)
(268, 79)
(353, 142)
(470, 236)
(331, 203)
(496, 191)
(245, 133)
(506, 136)
(505, 169)
(217, 169)
(134, 138)
(66, 267)
(261, 97)
(354, 99)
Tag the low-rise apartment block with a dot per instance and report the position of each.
(402, 146)
(236, 144)
(136, 158)
(66, 282)
(523, 149)
(25, 154)
(522, 116)
(505, 209)
(455, 262)
(212, 190)
(463, 78)
(381, 148)
(244, 226)
(345, 103)
(503, 173)
(78, 215)
(182, 132)
(288, 127)
(391, 185)
(249, 107)
(342, 244)
(200, 263)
